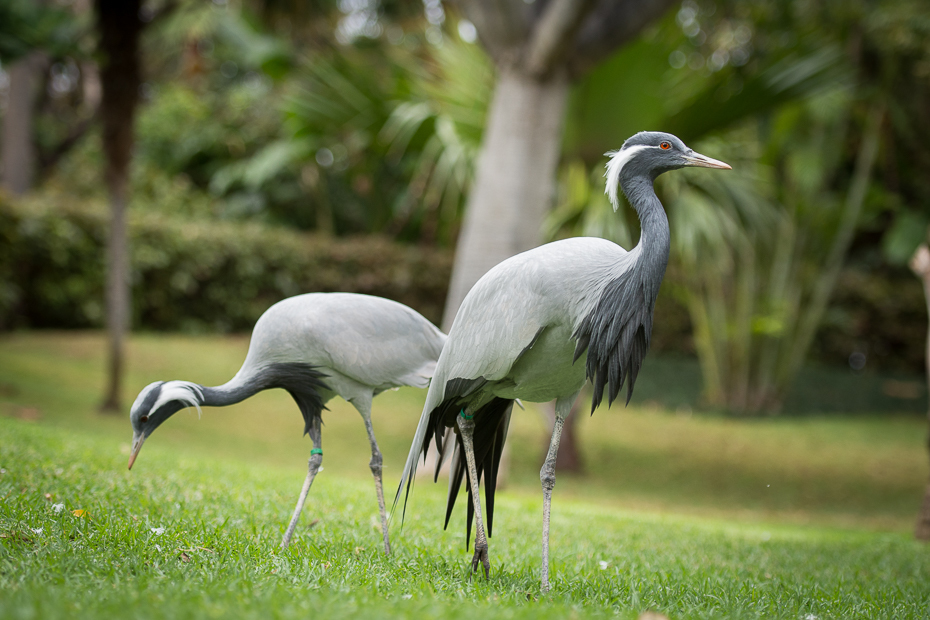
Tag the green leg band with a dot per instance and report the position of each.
(316, 451)
(465, 417)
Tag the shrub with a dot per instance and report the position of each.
(200, 275)
(193, 275)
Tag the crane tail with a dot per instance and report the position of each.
(419, 446)
(456, 472)
(444, 442)
(492, 464)
(491, 425)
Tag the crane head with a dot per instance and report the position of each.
(156, 403)
(649, 154)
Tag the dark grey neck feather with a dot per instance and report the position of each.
(303, 382)
(221, 396)
(654, 240)
(617, 331)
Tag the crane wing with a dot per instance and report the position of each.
(377, 342)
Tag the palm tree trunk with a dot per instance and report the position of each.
(515, 180)
(118, 301)
(920, 265)
(119, 29)
(18, 157)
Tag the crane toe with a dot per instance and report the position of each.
(481, 556)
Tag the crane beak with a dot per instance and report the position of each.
(137, 441)
(702, 161)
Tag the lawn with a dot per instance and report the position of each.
(696, 516)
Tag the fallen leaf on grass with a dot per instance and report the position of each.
(184, 557)
(358, 550)
(652, 615)
(192, 549)
(80, 513)
(312, 523)
(48, 496)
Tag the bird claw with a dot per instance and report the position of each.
(481, 555)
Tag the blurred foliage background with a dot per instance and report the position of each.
(283, 147)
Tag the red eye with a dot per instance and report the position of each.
(144, 419)
(665, 146)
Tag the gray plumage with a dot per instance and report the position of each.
(315, 346)
(525, 324)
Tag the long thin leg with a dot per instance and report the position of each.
(563, 407)
(364, 407)
(467, 429)
(316, 459)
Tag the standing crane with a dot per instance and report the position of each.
(315, 346)
(524, 325)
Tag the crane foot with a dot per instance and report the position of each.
(481, 555)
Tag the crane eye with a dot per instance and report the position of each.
(665, 146)
(144, 419)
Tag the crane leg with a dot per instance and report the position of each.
(364, 408)
(563, 407)
(467, 428)
(313, 467)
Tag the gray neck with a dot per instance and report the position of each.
(228, 394)
(654, 240)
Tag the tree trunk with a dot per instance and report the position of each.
(17, 159)
(515, 181)
(118, 293)
(920, 265)
(119, 28)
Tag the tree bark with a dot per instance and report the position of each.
(515, 180)
(119, 28)
(920, 265)
(118, 301)
(18, 155)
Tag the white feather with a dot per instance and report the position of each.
(183, 391)
(618, 159)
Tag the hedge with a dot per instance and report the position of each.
(196, 275)
(193, 275)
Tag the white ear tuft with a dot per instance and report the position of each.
(190, 394)
(618, 159)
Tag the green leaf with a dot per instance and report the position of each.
(908, 231)
(733, 95)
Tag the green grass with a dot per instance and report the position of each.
(694, 516)
(217, 554)
(864, 472)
